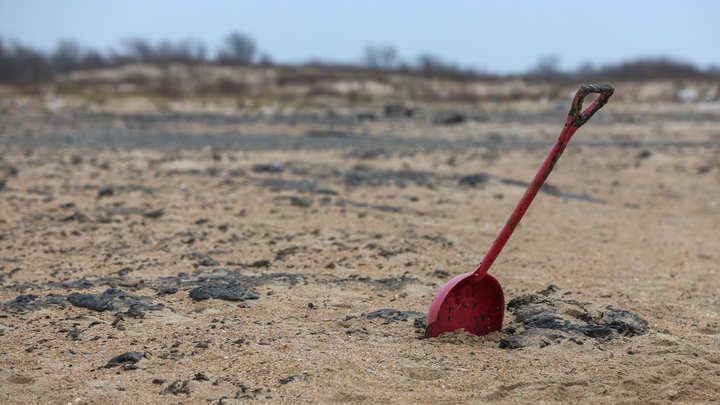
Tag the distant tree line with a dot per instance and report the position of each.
(22, 64)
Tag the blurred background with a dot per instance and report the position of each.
(286, 51)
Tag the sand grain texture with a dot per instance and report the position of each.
(295, 254)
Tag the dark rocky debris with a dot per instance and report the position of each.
(177, 388)
(545, 319)
(394, 315)
(32, 302)
(478, 179)
(233, 292)
(129, 357)
(110, 300)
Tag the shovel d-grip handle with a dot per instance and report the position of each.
(576, 119)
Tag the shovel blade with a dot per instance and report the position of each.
(467, 302)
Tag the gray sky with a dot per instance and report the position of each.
(502, 36)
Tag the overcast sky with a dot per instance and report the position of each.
(501, 36)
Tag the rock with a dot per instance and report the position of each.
(283, 253)
(110, 300)
(75, 334)
(624, 323)
(167, 291)
(440, 274)
(129, 357)
(159, 381)
(391, 283)
(178, 387)
(394, 315)
(154, 213)
(201, 377)
(209, 263)
(398, 110)
(547, 319)
(475, 179)
(106, 192)
(301, 202)
(290, 379)
(77, 216)
(32, 302)
(260, 263)
(550, 290)
(271, 167)
(231, 291)
(449, 118)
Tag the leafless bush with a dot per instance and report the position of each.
(141, 50)
(380, 57)
(20, 64)
(652, 68)
(93, 59)
(433, 63)
(547, 67)
(237, 48)
(67, 56)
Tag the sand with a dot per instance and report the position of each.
(322, 237)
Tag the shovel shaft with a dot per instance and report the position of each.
(575, 120)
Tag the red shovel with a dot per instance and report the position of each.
(475, 301)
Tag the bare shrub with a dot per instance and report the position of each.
(652, 69)
(433, 63)
(67, 56)
(142, 50)
(380, 57)
(21, 64)
(92, 59)
(237, 48)
(547, 67)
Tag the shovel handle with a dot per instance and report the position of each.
(575, 120)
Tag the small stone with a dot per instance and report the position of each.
(261, 263)
(168, 290)
(230, 291)
(201, 377)
(129, 357)
(75, 334)
(154, 214)
(178, 387)
(106, 192)
(286, 380)
(159, 381)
